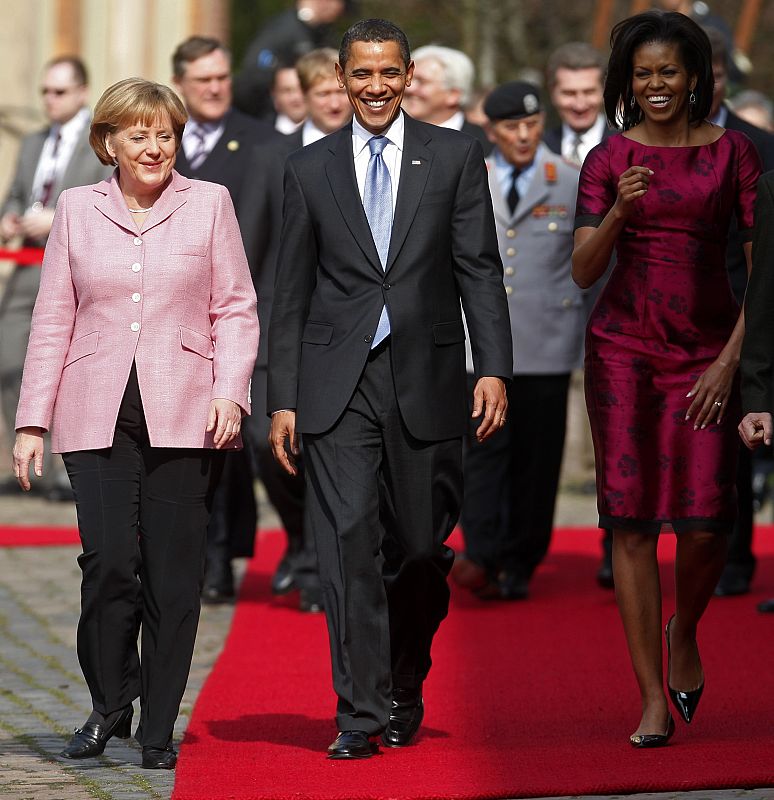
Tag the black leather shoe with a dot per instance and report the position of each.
(684, 702)
(735, 580)
(512, 587)
(352, 744)
(406, 715)
(218, 595)
(766, 606)
(283, 580)
(643, 740)
(158, 758)
(310, 601)
(90, 740)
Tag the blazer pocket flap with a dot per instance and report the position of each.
(196, 342)
(82, 346)
(317, 333)
(448, 332)
(190, 250)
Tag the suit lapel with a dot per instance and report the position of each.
(340, 170)
(415, 168)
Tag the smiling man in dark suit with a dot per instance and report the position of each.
(388, 225)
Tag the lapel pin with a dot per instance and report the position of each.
(233, 145)
(416, 162)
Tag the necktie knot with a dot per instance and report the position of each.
(377, 144)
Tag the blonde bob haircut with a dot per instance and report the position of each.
(317, 65)
(134, 101)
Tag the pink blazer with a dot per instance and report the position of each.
(175, 297)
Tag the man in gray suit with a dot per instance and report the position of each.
(511, 479)
(51, 160)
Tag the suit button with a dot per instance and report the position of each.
(552, 226)
(509, 290)
(509, 270)
(566, 302)
(368, 338)
(136, 267)
(386, 286)
(137, 241)
(135, 326)
(510, 233)
(511, 251)
(136, 297)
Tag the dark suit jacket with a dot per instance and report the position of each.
(477, 132)
(227, 162)
(331, 287)
(735, 258)
(757, 364)
(552, 138)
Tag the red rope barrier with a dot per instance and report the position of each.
(26, 256)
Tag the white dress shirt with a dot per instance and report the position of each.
(284, 124)
(310, 133)
(51, 165)
(392, 154)
(212, 132)
(455, 121)
(588, 139)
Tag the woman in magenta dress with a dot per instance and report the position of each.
(663, 341)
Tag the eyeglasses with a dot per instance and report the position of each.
(57, 92)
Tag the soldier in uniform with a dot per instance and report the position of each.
(511, 480)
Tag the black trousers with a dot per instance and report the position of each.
(381, 505)
(511, 479)
(142, 517)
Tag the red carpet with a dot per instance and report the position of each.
(23, 536)
(525, 699)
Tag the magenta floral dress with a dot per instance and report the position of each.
(661, 320)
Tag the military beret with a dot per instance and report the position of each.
(513, 100)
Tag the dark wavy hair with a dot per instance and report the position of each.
(664, 27)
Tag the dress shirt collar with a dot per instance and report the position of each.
(284, 124)
(588, 139)
(504, 171)
(310, 133)
(71, 129)
(395, 133)
(721, 118)
(455, 121)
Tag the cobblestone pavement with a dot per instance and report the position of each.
(43, 696)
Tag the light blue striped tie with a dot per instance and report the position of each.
(377, 202)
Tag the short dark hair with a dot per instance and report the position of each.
(195, 47)
(720, 54)
(574, 55)
(374, 30)
(668, 27)
(76, 64)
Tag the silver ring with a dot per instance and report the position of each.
(718, 403)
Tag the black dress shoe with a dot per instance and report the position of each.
(684, 702)
(310, 601)
(159, 758)
(352, 744)
(766, 606)
(643, 740)
(218, 595)
(90, 740)
(735, 580)
(283, 580)
(512, 586)
(406, 715)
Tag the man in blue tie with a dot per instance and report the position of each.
(387, 230)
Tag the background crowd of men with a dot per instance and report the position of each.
(286, 96)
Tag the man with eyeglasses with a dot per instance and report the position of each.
(387, 230)
(51, 160)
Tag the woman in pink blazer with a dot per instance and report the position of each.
(143, 341)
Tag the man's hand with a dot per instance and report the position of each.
(28, 449)
(756, 429)
(489, 397)
(9, 225)
(283, 428)
(37, 224)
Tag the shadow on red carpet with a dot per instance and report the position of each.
(526, 699)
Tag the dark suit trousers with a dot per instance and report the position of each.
(142, 517)
(381, 504)
(511, 479)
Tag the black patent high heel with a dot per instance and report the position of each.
(684, 702)
(643, 740)
(90, 740)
